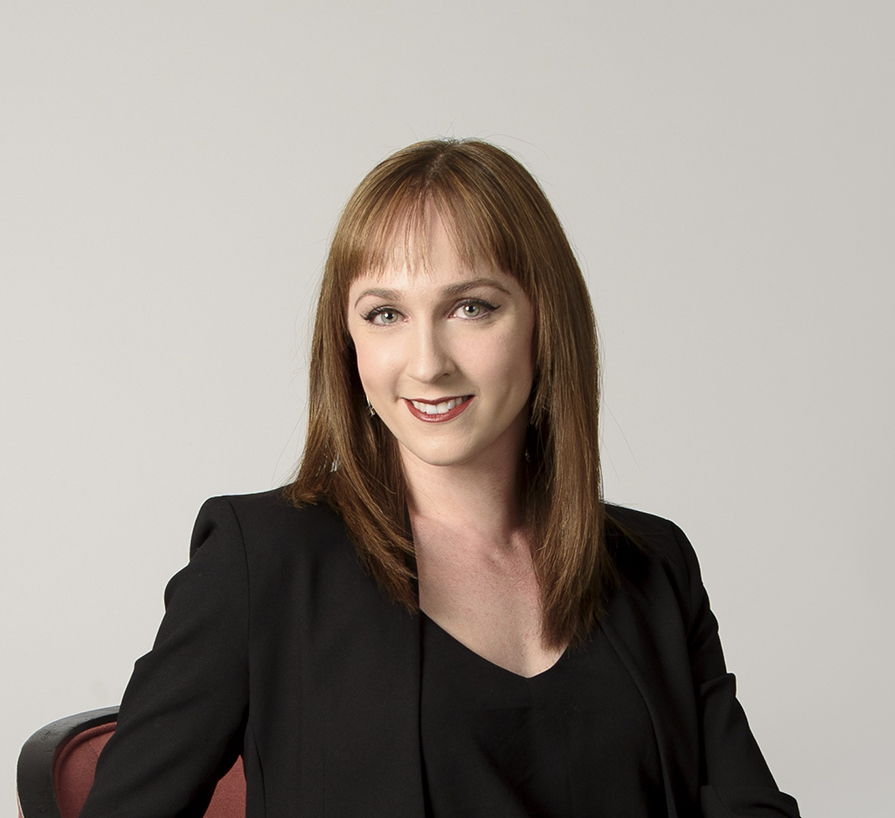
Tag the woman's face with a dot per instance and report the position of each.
(444, 354)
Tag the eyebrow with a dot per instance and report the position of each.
(450, 290)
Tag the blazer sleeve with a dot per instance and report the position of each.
(182, 717)
(734, 777)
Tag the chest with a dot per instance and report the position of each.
(490, 603)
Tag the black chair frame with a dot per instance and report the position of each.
(34, 774)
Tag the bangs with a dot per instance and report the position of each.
(392, 224)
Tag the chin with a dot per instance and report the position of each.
(437, 456)
(439, 459)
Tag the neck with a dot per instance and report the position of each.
(480, 498)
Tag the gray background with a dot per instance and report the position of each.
(170, 175)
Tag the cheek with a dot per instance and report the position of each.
(508, 362)
(365, 364)
(521, 358)
(374, 366)
(520, 349)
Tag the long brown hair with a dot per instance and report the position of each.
(496, 212)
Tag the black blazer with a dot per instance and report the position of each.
(277, 645)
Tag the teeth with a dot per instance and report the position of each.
(437, 408)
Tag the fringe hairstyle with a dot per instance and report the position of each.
(495, 211)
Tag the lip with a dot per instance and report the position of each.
(450, 414)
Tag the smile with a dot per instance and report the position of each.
(438, 411)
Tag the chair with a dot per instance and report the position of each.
(56, 766)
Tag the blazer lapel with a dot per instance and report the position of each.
(646, 631)
(373, 760)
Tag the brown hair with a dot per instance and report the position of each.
(495, 211)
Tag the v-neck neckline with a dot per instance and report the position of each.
(496, 668)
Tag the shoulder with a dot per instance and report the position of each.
(277, 541)
(268, 519)
(299, 563)
(647, 548)
(652, 533)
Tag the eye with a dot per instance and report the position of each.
(474, 308)
(382, 316)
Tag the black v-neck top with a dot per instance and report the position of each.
(574, 741)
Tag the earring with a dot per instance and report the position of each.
(371, 412)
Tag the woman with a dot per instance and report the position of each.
(440, 617)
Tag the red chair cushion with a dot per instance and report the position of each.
(229, 799)
(74, 767)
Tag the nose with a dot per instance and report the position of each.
(428, 354)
